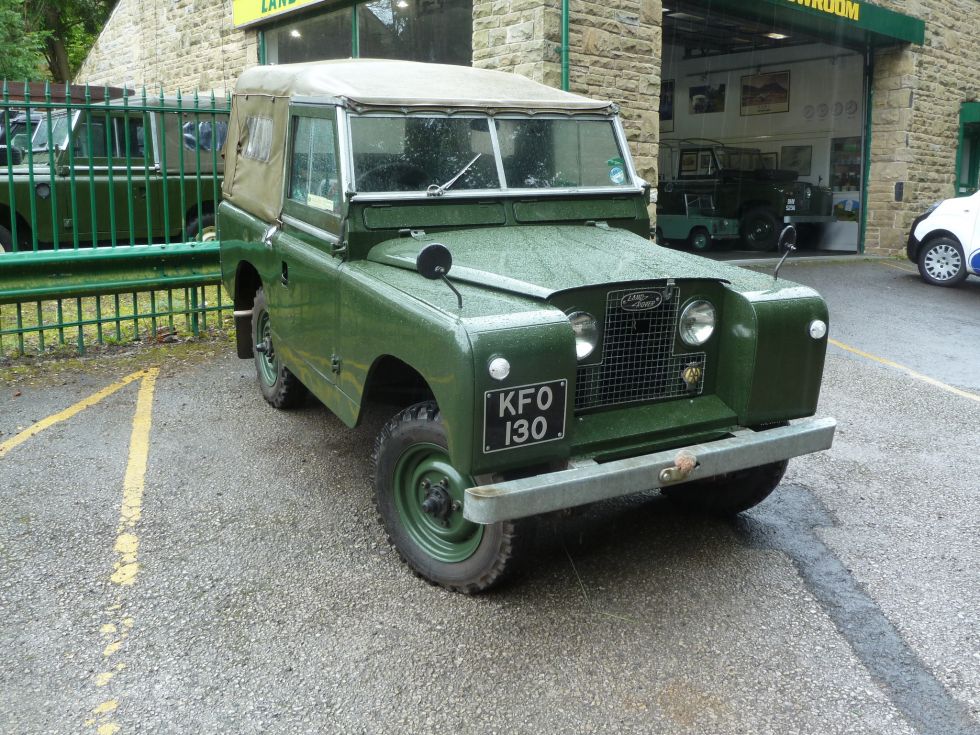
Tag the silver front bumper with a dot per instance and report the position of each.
(590, 481)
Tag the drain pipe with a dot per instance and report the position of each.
(564, 45)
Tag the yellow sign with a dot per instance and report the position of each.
(246, 12)
(843, 8)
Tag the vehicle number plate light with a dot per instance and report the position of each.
(524, 415)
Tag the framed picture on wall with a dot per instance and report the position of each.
(706, 98)
(667, 106)
(765, 94)
(770, 161)
(797, 158)
(689, 162)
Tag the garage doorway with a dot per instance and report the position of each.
(765, 122)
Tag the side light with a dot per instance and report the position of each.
(818, 329)
(499, 368)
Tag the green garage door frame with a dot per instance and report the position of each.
(968, 158)
(857, 25)
(845, 22)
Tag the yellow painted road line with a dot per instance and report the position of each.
(908, 371)
(67, 413)
(898, 267)
(119, 623)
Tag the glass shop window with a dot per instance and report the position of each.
(327, 36)
(439, 31)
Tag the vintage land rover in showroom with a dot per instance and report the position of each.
(472, 248)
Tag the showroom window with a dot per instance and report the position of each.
(414, 30)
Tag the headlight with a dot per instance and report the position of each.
(586, 333)
(932, 209)
(808, 193)
(697, 323)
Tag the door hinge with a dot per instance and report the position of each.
(335, 364)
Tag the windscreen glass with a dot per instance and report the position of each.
(414, 153)
(543, 153)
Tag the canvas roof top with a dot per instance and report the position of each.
(379, 83)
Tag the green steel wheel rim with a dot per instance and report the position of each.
(266, 361)
(208, 234)
(450, 539)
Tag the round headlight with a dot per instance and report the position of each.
(586, 333)
(697, 323)
(808, 193)
(499, 368)
(818, 329)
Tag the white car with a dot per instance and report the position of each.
(945, 241)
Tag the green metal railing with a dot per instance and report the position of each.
(107, 215)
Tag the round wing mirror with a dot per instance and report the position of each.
(434, 261)
(787, 239)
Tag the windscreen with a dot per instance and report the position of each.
(740, 159)
(59, 129)
(436, 154)
(412, 153)
(550, 153)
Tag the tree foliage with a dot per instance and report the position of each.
(22, 54)
(70, 27)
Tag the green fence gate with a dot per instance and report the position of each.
(107, 215)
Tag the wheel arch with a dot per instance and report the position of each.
(247, 282)
(393, 381)
(23, 226)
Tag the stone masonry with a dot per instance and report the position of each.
(915, 119)
(177, 44)
(615, 52)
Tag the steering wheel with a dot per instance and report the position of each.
(401, 175)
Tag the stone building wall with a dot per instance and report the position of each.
(614, 54)
(915, 119)
(179, 44)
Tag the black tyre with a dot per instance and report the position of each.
(727, 495)
(699, 240)
(759, 229)
(6, 240)
(941, 262)
(279, 386)
(419, 497)
(659, 237)
(202, 229)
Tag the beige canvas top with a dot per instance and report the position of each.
(381, 83)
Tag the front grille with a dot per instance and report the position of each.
(638, 363)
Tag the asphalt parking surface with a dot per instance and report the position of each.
(267, 600)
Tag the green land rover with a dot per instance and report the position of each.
(119, 172)
(472, 248)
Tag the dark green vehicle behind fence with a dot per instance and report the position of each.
(119, 171)
(471, 248)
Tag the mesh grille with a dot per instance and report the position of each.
(638, 363)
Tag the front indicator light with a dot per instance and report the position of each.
(818, 329)
(586, 331)
(697, 323)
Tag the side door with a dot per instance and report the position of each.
(306, 248)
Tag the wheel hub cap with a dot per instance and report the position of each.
(943, 263)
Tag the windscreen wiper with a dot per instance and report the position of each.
(436, 190)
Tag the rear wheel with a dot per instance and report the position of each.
(6, 240)
(941, 262)
(278, 385)
(420, 495)
(759, 229)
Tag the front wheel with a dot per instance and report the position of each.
(941, 262)
(759, 230)
(278, 385)
(6, 240)
(202, 229)
(699, 240)
(727, 495)
(420, 495)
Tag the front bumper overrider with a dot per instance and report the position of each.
(590, 481)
